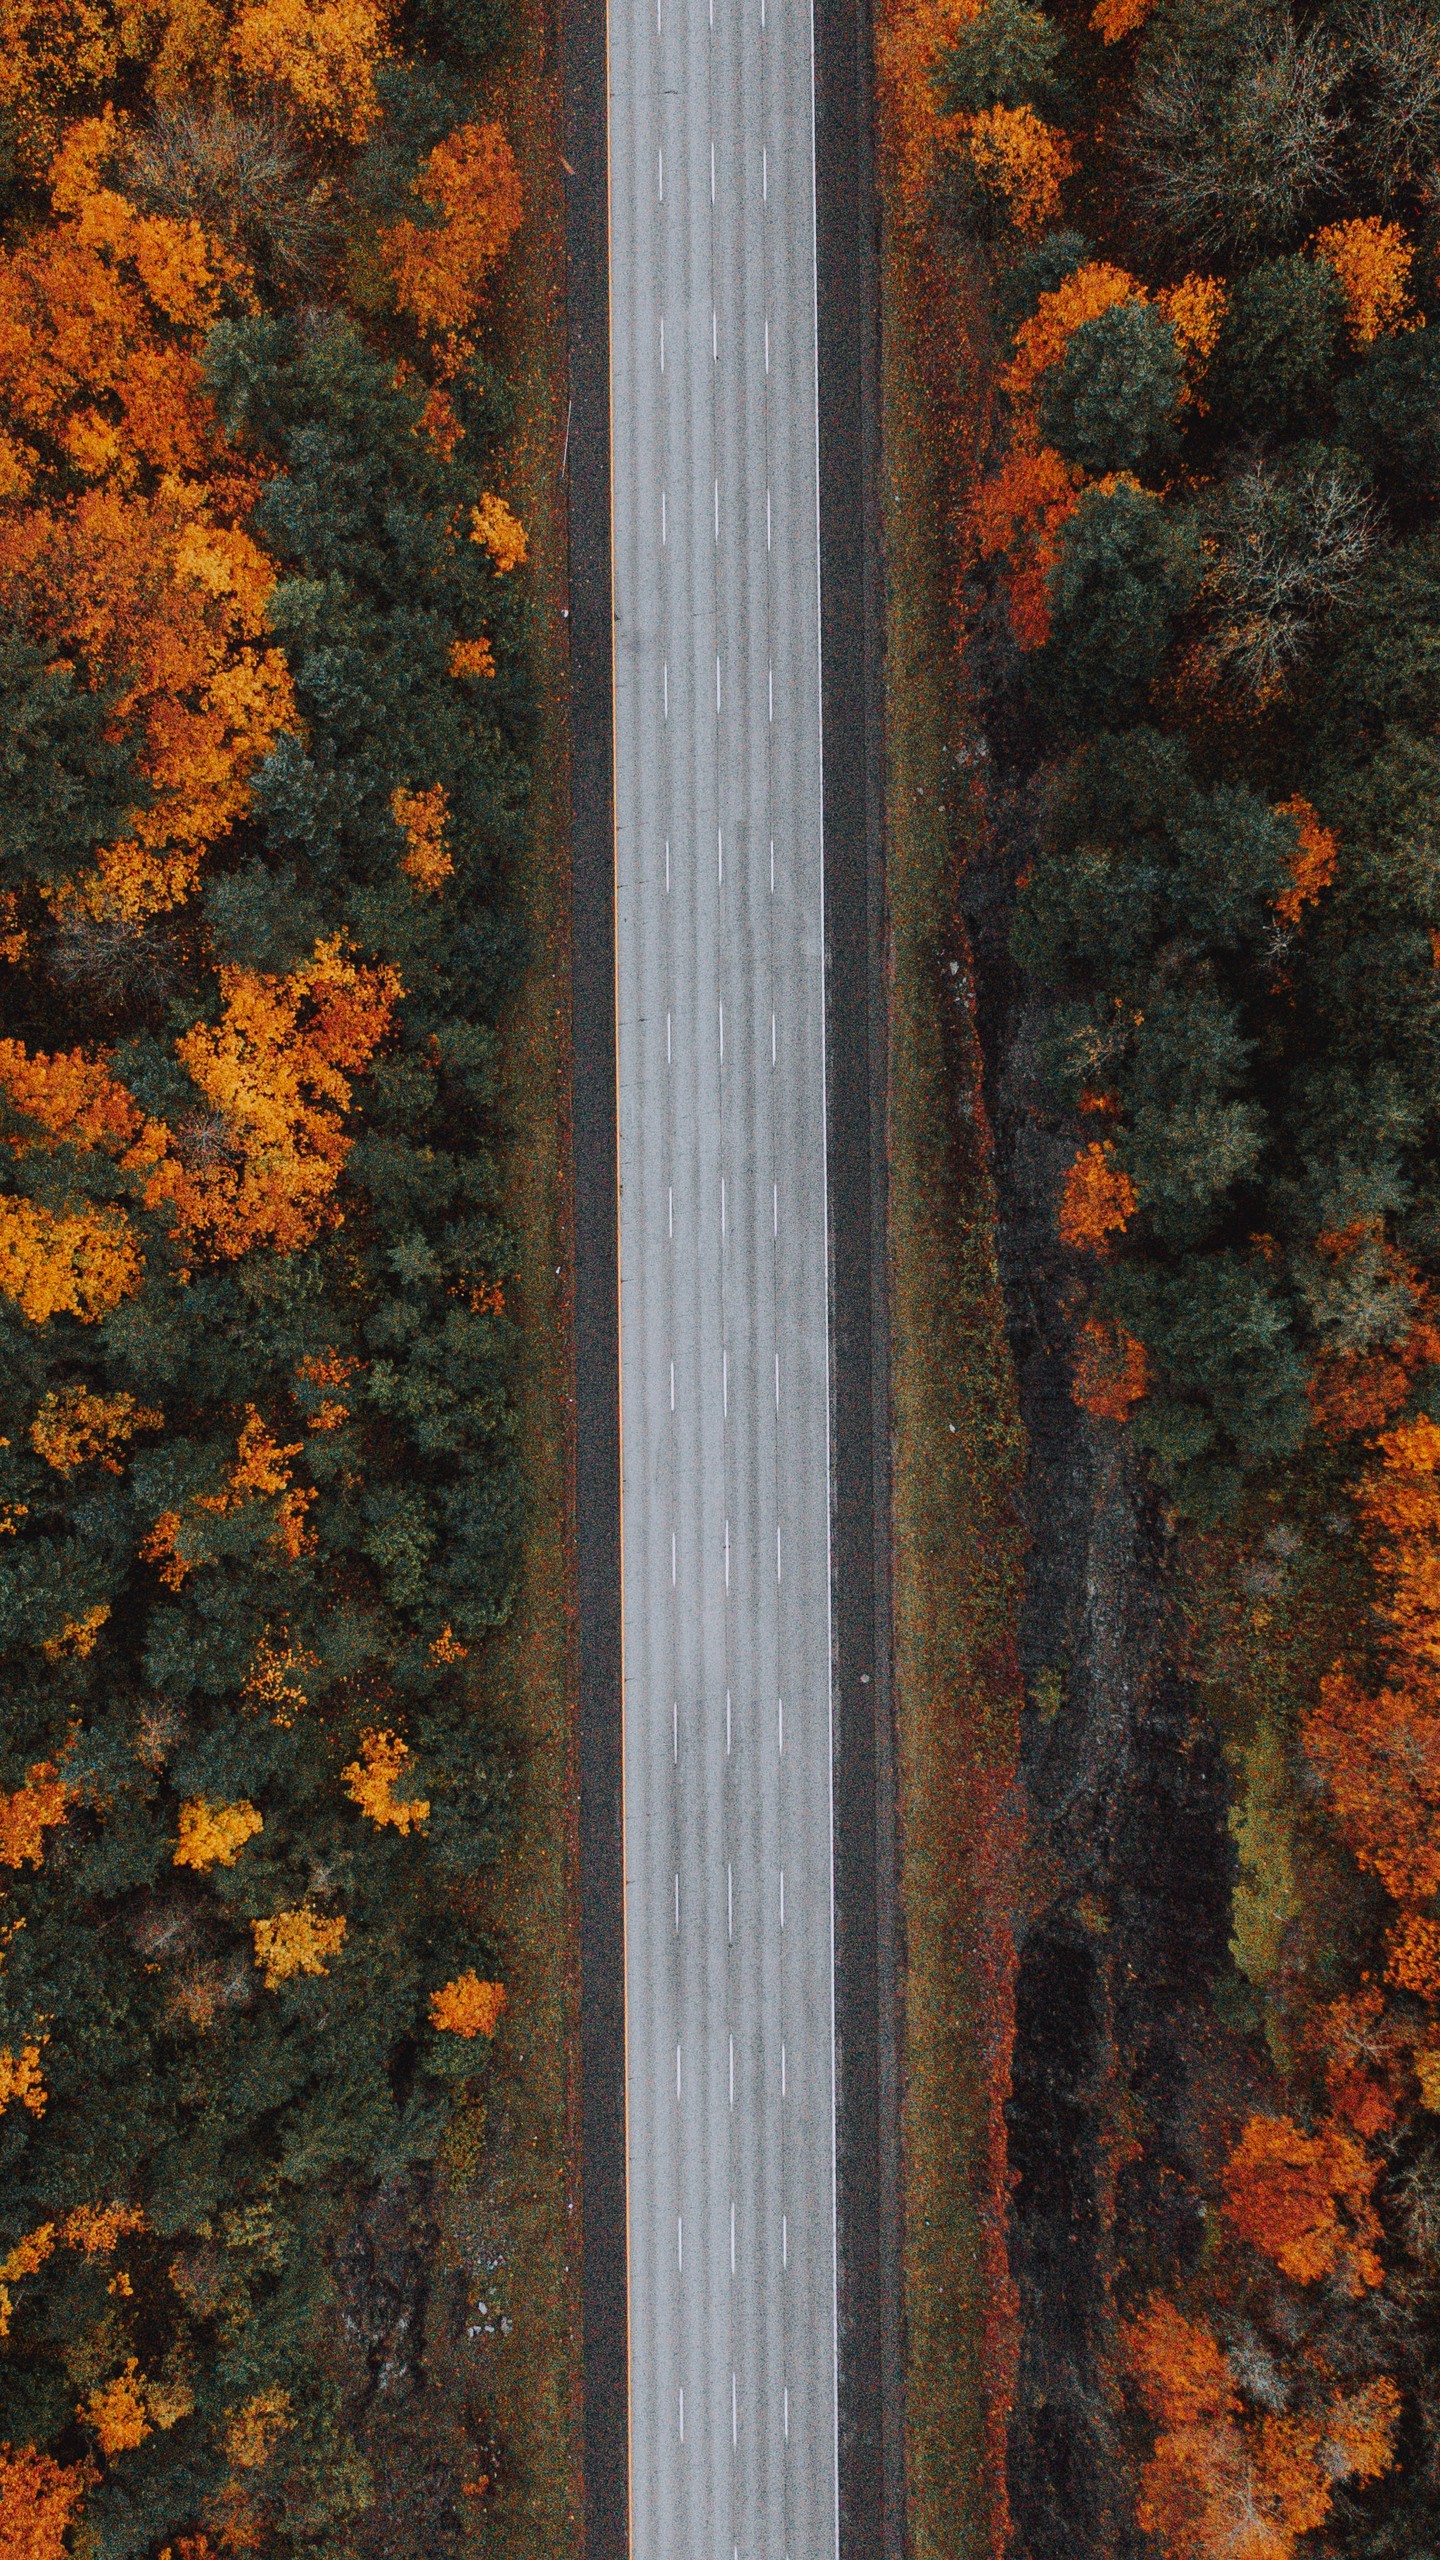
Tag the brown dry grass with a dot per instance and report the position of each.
(958, 1460)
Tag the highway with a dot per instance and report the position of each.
(724, 1360)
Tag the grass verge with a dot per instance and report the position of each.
(958, 1544)
(511, 2209)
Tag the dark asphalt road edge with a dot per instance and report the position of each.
(867, 1949)
(603, 2279)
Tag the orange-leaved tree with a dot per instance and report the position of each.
(1017, 159)
(39, 2500)
(1042, 340)
(910, 38)
(1220, 2479)
(468, 2007)
(1378, 1746)
(163, 610)
(121, 546)
(1313, 867)
(1112, 1370)
(1097, 1199)
(319, 55)
(1373, 260)
(52, 54)
(1361, 1388)
(77, 1262)
(421, 817)
(260, 1159)
(256, 1162)
(472, 182)
(75, 1257)
(369, 1782)
(261, 1483)
(1113, 19)
(494, 524)
(77, 1426)
(29, 1811)
(1020, 512)
(1285, 2190)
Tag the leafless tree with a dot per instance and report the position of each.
(1233, 145)
(113, 960)
(205, 1142)
(1255, 2368)
(1281, 554)
(1397, 64)
(1416, 2196)
(244, 178)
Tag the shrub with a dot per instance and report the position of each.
(1278, 347)
(1110, 403)
(1038, 271)
(1389, 412)
(1126, 574)
(1004, 57)
(1229, 1392)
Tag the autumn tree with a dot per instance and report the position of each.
(1096, 1201)
(469, 2007)
(1372, 261)
(320, 58)
(259, 1160)
(265, 696)
(39, 2500)
(1224, 2478)
(1088, 290)
(470, 188)
(1378, 1747)
(1112, 1371)
(1020, 513)
(1306, 2201)
(119, 550)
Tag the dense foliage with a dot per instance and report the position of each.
(1201, 555)
(264, 753)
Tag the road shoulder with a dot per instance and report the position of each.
(866, 1940)
(596, 1319)
(958, 1471)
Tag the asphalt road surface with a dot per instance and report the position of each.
(730, 2060)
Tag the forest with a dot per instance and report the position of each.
(265, 746)
(1173, 272)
